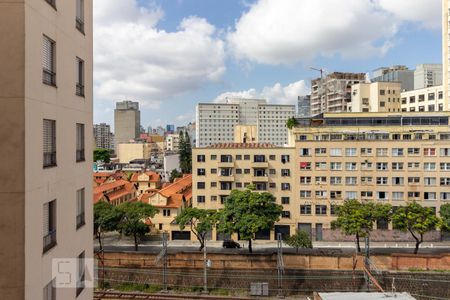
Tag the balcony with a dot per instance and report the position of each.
(49, 159)
(80, 220)
(263, 164)
(226, 178)
(79, 90)
(49, 240)
(49, 77)
(260, 178)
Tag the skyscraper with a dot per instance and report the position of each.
(103, 136)
(127, 122)
(46, 153)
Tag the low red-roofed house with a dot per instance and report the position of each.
(115, 192)
(145, 181)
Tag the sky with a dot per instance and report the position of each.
(170, 55)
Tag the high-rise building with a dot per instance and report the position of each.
(333, 93)
(427, 99)
(375, 97)
(395, 73)
(170, 128)
(216, 122)
(127, 122)
(427, 75)
(102, 136)
(446, 52)
(304, 106)
(46, 153)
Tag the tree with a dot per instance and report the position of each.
(445, 216)
(247, 212)
(356, 218)
(175, 174)
(185, 153)
(291, 122)
(106, 218)
(103, 155)
(300, 239)
(416, 219)
(200, 221)
(134, 215)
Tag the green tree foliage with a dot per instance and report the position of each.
(185, 153)
(103, 155)
(134, 215)
(247, 212)
(415, 219)
(291, 123)
(300, 239)
(175, 174)
(356, 218)
(106, 218)
(445, 216)
(200, 221)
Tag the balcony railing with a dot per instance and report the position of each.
(80, 155)
(79, 90)
(49, 240)
(80, 220)
(49, 77)
(49, 159)
(79, 24)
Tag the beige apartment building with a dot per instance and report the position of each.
(382, 157)
(131, 151)
(220, 168)
(46, 153)
(446, 52)
(427, 99)
(375, 97)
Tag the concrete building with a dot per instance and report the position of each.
(383, 157)
(220, 168)
(375, 97)
(216, 122)
(446, 52)
(132, 151)
(171, 161)
(127, 122)
(46, 153)
(427, 75)
(333, 93)
(396, 73)
(427, 99)
(304, 106)
(173, 142)
(103, 136)
(145, 181)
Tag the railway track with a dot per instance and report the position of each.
(101, 295)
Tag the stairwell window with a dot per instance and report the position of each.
(79, 87)
(80, 143)
(50, 291)
(49, 143)
(49, 61)
(79, 20)
(80, 218)
(49, 225)
(80, 274)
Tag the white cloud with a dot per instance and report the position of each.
(136, 60)
(276, 94)
(289, 31)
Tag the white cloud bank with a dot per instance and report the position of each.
(134, 59)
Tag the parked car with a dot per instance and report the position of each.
(230, 244)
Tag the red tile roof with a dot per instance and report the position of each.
(153, 177)
(174, 193)
(180, 185)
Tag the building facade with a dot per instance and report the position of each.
(427, 99)
(46, 96)
(132, 151)
(173, 142)
(427, 75)
(382, 157)
(333, 93)
(220, 168)
(304, 106)
(103, 136)
(446, 51)
(127, 122)
(396, 73)
(215, 122)
(375, 97)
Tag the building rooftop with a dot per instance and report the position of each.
(175, 193)
(242, 145)
(152, 176)
(365, 296)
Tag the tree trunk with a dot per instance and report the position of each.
(99, 237)
(250, 250)
(202, 245)
(358, 246)
(418, 242)
(135, 242)
(296, 250)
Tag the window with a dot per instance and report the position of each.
(413, 151)
(214, 171)
(200, 185)
(285, 186)
(48, 62)
(50, 289)
(246, 157)
(305, 194)
(398, 196)
(80, 143)
(284, 200)
(429, 196)
(429, 166)
(350, 166)
(382, 166)
(272, 157)
(80, 218)
(397, 151)
(413, 180)
(445, 151)
(305, 166)
(79, 88)
(321, 194)
(201, 158)
(213, 198)
(382, 196)
(413, 165)
(166, 212)
(79, 20)
(336, 166)
(351, 180)
(350, 195)
(285, 159)
(350, 152)
(214, 184)
(366, 151)
(382, 92)
(397, 180)
(336, 195)
(429, 151)
(226, 186)
(321, 210)
(397, 166)
(336, 152)
(445, 166)
(320, 151)
(321, 179)
(80, 274)
(412, 195)
(272, 171)
(382, 180)
(305, 180)
(445, 181)
(49, 225)
(382, 152)
(366, 194)
(259, 158)
(246, 171)
(201, 172)
(225, 158)
(286, 214)
(305, 209)
(445, 195)
(49, 143)
(321, 165)
(305, 152)
(200, 199)
(213, 157)
(285, 172)
(430, 181)
(335, 180)
(238, 157)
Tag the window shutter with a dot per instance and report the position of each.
(46, 217)
(48, 54)
(80, 14)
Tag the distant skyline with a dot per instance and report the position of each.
(171, 54)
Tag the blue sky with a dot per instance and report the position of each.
(171, 54)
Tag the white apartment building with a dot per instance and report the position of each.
(173, 142)
(375, 97)
(427, 99)
(216, 122)
(427, 75)
(46, 153)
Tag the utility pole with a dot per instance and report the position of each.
(205, 266)
(366, 260)
(280, 265)
(164, 263)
